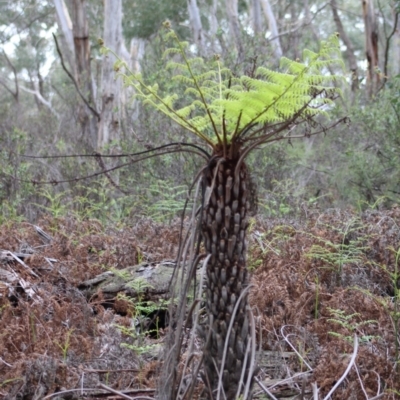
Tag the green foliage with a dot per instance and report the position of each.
(164, 201)
(14, 189)
(391, 304)
(56, 204)
(66, 344)
(357, 164)
(27, 38)
(220, 108)
(349, 324)
(141, 309)
(336, 255)
(374, 158)
(285, 198)
(142, 19)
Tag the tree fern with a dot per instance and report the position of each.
(233, 115)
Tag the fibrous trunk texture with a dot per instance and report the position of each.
(224, 225)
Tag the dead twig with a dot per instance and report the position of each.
(351, 363)
(70, 391)
(22, 263)
(265, 389)
(126, 396)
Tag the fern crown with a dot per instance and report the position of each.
(220, 108)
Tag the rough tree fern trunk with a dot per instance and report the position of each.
(224, 224)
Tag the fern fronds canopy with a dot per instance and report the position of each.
(219, 108)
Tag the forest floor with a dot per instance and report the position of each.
(318, 280)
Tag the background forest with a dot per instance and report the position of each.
(76, 149)
(60, 97)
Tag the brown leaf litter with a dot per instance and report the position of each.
(317, 282)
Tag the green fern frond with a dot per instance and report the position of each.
(183, 79)
(171, 51)
(185, 111)
(177, 66)
(214, 100)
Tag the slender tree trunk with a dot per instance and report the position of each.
(396, 51)
(255, 16)
(76, 38)
(65, 23)
(273, 27)
(349, 46)
(215, 38)
(294, 37)
(371, 45)
(196, 25)
(224, 226)
(213, 24)
(234, 27)
(112, 101)
(88, 121)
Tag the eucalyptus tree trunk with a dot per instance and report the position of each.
(88, 121)
(196, 25)
(273, 27)
(213, 20)
(396, 51)
(76, 34)
(65, 24)
(112, 98)
(224, 225)
(234, 27)
(255, 16)
(371, 45)
(216, 40)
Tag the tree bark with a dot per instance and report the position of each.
(65, 24)
(273, 27)
(87, 114)
(396, 51)
(255, 16)
(88, 121)
(112, 101)
(213, 19)
(234, 27)
(371, 45)
(216, 39)
(224, 225)
(349, 46)
(197, 28)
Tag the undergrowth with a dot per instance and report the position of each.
(307, 316)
